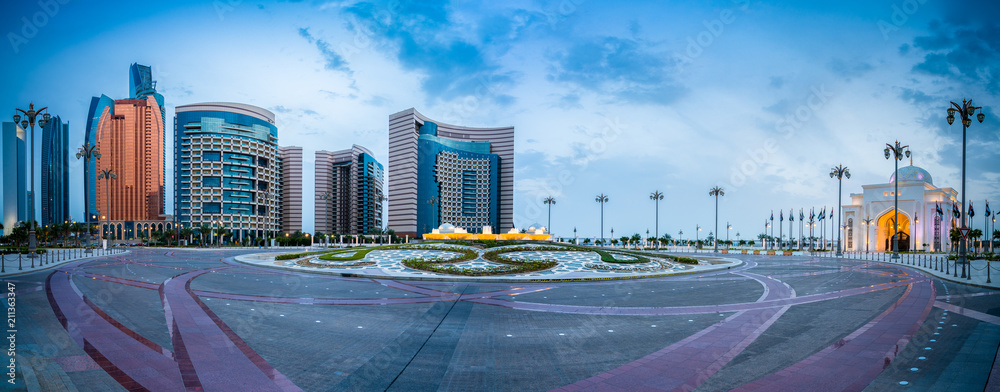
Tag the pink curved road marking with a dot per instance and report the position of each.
(209, 354)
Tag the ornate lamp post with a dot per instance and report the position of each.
(87, 152)
(897, 152)
(966, 111)
(612, 236)
(29, 121)
(729, 227)
(839, 172)
(656, 196)
(867, 223)
(716, 191)
(696, 236)
(602, 198)
(107, 175)
(328, 196)
(549, 201)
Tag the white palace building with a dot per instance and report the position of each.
(870, 217)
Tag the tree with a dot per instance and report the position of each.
(665, 239)
(614, 242)
(955, 236)
(586, 241)
(187, 232)
(203, 231)
(975, 234)
(624, 240)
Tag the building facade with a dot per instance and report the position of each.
(349, 191)
(131, 145)
(441, 173)
(920, 227)
(55, 172)
(14, 174)
(99, 107)
(227, 169)
(291, 188)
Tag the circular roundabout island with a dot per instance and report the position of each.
(489, 261)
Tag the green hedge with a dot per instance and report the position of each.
(22, 250)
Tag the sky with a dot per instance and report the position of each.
(759, 98)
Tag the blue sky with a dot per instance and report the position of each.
(761, 98)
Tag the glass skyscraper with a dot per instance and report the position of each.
(55, 172)
(441, 173)
(15, 189)
(227, 169)
(99, 106)
(349, 191)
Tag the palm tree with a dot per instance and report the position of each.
(204, 230)
(187, 232)
(716, 191)
(221, 232)
(602, 198)
(665, 239)
(975, 234)
(656, 196)
(550, 201)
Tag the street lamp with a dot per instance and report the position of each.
(612, 236)
(728, 227)
(656, 196)
(716, 191)
(898, 151)
(602, 198)
(696, 236)
(966, 110)
(107, 175)
(549, 201)
(576, 241)
(87, 152)
(29, 120)
(867, 223)
(839, 172)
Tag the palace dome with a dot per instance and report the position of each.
(912, 173)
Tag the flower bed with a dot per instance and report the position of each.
(307, 263)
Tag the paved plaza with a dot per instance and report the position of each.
(167, 320)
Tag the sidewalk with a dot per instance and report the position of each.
(52, 259)
(933, 265)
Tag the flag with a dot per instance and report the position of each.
(972, 212)
(802, 215)
(782, 215)
(812, 214)
(791, 215)
(988, 208)
(955, 211)
(939, 211)
(822, 213)
(772, 215)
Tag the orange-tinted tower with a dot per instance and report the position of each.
(131, 144)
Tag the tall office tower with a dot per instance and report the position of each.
(15, 189)
(441, 173)
(99, 107)
(291, 188)
(227, 169)
(348, 191)
(131, 144)
(142, 85)
(55, 172)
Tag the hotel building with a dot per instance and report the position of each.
(227, 169)
(349, 191)
(441, 173)
(15, 189)
(55, 172)
(291, 188)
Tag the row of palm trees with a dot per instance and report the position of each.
(655, 196)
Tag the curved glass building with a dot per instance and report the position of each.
(227, 169)
(441, 173)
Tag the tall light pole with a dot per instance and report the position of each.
(88, 152)
(107, 175)
(867, 223)
(656, 196)
(549, 201)
(839, 172)
(697, 230)
(328, 196)
(897, 152)
(602, 198)
(29, 120)
(716, 191)
(966, 110)
(728, 227)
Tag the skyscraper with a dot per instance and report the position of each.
(441, 173)
(291, 188)
(227, 169)
(130, 140)
(55, 172)
(348, 191)
(99, 107)
(142, 85)
(15, 190)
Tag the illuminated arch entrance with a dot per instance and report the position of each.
(885, 231)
